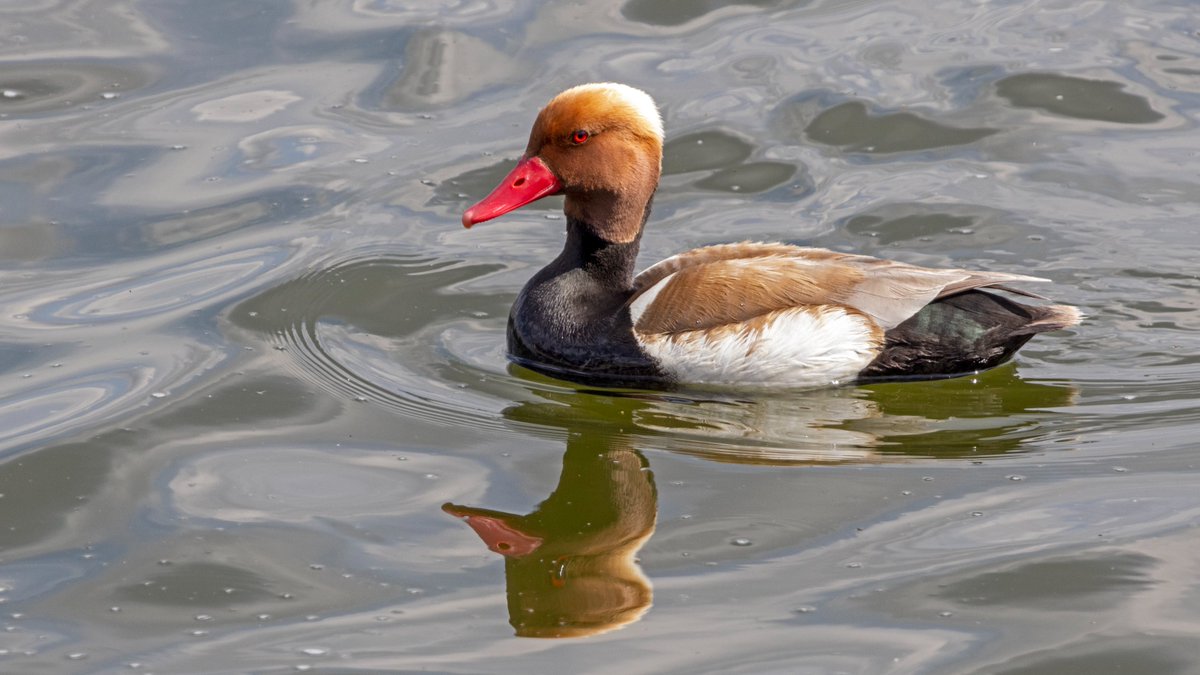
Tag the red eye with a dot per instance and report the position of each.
(579, 137)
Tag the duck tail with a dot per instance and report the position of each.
(1050, 317)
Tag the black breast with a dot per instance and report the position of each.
(570, 320)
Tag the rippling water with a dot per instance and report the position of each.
(255, 412)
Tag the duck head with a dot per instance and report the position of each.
(600, 145)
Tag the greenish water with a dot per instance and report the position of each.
(256, 416)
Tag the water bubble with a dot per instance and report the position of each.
(198, 633)
(1015, 477)
(314, 651)
(906, 492)
(77, 656)
(11, 93)
(805, 609)
(926, 478)
(945, 614)
(1119, 469)
(159, 394)
(976, 514)
(741, 541)
(110, 95)
(854, 565)
(361, 160)
(203, 617)
(427, 182)
(316, 566)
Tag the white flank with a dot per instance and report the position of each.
(634, 98)
(796, 348)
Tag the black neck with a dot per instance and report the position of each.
(609, 265)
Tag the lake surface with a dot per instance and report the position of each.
(255, 412)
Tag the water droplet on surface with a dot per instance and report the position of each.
(926, 478)
(976, 514)
(159, 394)
(314, 651)
(77, 656)
(1015, 477)
(316, 566)
(1120, 469)
(110, 95)
(805, 609)
(11, 93)
(945, 614)
(741, 541)
(854, 565)
(361, 160)
(203, 617)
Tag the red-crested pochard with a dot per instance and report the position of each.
(746, 314)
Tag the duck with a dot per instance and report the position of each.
(734, 315)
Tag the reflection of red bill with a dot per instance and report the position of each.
(499, 535)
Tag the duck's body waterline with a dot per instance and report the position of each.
(738, 315)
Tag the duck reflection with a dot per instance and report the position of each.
(570, 564)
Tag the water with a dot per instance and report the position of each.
(255, 414)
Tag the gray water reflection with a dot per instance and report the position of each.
(1077, 97)
(247, 353)
(851, 127)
